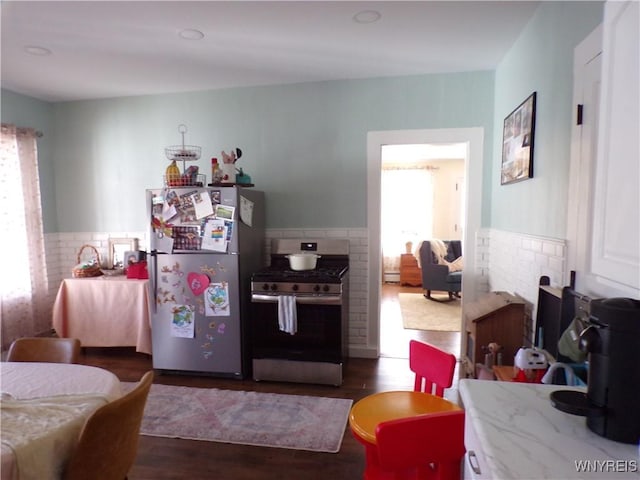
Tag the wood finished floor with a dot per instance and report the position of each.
(394, 339)
(164, 458)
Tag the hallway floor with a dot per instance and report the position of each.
(394, 338)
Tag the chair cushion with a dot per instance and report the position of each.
(454, 277)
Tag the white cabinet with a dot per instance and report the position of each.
(615, 242)
(475, 463)
(515, 433)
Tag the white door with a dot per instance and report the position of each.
(616, 216)
(586, 103)
(604, 202)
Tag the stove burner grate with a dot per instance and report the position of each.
(319, 274)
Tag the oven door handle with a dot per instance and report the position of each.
(300, 299)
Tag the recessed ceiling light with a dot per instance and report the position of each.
(39, 51)
(191, 34)
(367, 16)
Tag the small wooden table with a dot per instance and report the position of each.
(367, 413)
(104, 312)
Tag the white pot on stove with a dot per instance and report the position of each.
(303, 261)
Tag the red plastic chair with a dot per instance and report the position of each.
(433, 368)
(419, 448)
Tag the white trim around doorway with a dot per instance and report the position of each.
(474, 139)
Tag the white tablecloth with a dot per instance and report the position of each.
(25, 384)
(104, 312)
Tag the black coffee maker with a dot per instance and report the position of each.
(612, 341)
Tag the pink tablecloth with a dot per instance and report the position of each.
(104, 312)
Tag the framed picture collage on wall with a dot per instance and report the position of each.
(517, 142)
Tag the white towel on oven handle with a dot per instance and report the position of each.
(287, 314)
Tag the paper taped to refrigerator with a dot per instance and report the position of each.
(217, 300)
(202, 204)
(246, 211)
(183, 321)
(215, 236)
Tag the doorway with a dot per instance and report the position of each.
(473, 139)
(421, 190)
(421, 198)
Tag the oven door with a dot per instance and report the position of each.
(319, 330)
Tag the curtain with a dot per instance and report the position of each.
(407, 204)
(23, 282)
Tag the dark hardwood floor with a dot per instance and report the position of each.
(165, 458)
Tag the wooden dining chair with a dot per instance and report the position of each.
(433, 367)
(108, 443)
(425, 447)
(44, 349)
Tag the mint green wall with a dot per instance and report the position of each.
(25, 111)
(303, 144)
(542, 61)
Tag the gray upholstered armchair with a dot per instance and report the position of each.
(436, 276)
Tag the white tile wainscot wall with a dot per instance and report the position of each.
(504, 261)
(62, 250)
(358, 276)
(514, 262)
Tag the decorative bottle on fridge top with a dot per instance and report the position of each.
(216, 173)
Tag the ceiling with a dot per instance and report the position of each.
(104, 49)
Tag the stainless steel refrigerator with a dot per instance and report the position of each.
(204, 245)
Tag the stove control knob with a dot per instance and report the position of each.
(265, 286)
(295, 287)
(274, 287)
(325, 288)
(316, 288)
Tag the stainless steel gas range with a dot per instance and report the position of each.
(317, 351)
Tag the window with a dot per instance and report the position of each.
(23, 283)
(407, 205)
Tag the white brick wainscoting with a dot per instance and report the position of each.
(358, 276)
(62, 250)
(504, 261)
(514, 262)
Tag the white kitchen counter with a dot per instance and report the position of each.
(516, 433)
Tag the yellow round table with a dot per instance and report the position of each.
(367, 413)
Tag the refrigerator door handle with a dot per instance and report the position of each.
(152, 279)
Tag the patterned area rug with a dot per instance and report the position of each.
(419, 313)
(249, 418)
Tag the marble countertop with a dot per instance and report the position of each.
(523, 436)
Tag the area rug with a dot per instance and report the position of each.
(419, 313)
(249, 418)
